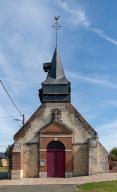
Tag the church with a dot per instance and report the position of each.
(56, 141)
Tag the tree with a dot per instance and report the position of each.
(7, 151)
(113, 154)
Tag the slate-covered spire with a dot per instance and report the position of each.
(56, 87)
(56, 71)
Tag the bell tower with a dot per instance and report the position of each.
(56, 87)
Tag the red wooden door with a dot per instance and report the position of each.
(56, 163)
(60, 161)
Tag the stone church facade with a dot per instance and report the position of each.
(56, 141)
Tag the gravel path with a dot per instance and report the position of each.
(73, 180)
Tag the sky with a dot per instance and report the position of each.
(87, 43)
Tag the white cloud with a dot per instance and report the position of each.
(111, 102)
(25, 42)
(101, 82)
(79, 18)
(101, 34)
(109, 126)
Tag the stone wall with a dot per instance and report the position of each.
(30, 162)
(98, 158)
(113, 166)
(102, 159)
(87, 153)
(67, 117)
(92, 156)
(80, 160)
(16, 160)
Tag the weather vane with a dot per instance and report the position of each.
(56, 26)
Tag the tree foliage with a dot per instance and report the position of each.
(113, 154)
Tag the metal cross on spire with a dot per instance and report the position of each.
(56, 26)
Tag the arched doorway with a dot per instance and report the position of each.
(55, 159)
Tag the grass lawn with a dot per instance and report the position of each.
(106, 186)
(3, 169)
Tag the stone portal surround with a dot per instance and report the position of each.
(67, 141)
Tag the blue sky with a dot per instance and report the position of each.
(88, 49)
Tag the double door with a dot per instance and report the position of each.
(56, 163)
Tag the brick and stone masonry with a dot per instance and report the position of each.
(84, 154)
(57, 121)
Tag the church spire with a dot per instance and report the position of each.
(56, 71)
(56, 88)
